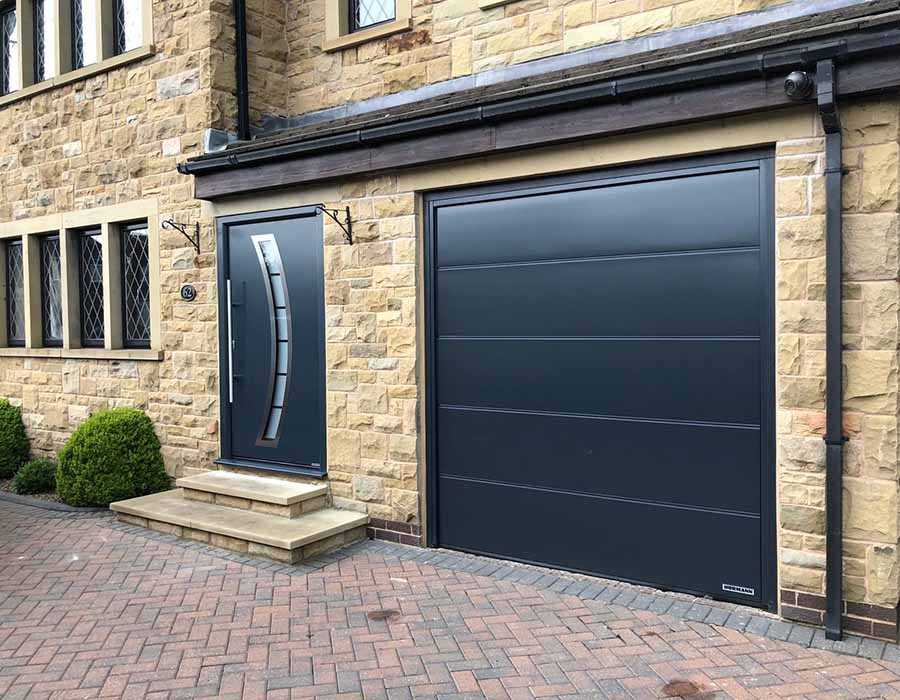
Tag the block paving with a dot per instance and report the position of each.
(90, 608)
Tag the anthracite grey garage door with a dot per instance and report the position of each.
(601, 374)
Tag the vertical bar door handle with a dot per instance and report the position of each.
(230, 344)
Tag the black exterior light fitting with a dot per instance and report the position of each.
(194, 238)
(346, 225)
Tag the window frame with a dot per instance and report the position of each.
(47, 341)
(14, 342)
(124, 231)
(353, 9)
(339, 31)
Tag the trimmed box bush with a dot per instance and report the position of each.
(37, 476)
(112, 456)
(13, 440)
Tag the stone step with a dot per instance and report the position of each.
(284, 539)
(287, 499)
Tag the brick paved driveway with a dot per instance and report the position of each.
(89, 608)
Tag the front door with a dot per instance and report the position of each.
(272, 339)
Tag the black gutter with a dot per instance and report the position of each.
(826, 93)
(241, 72)
(759, 64)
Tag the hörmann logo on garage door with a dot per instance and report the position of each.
(601, 362)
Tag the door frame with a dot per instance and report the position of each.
(226, 458)
(765, 157)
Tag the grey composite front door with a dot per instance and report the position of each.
(273, 340)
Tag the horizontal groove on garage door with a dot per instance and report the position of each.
(698, 295)
(707, 465)
(654, 379)
(599, 258)
(606, 497)
(691, 211)
(680, 549)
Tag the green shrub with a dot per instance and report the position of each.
(112, 456)
(37, 476)
(13, 440)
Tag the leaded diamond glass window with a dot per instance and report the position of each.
(51, 291)
(84, 32)
(9, 52)
(39, 43)
(367, 13)
(90, 262)
(136, 286)
(127, 21)
(15, 294)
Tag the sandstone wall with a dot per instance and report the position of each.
(453, 38)
(114, 138)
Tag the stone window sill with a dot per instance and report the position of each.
(490, 4)
(85, 353)
(361, 37)
(108, 64)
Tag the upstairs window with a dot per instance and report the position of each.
(51, 292)
(9, 50)
(127, 25)
(15, 294)
(90, 278)
(84, 33)
(368, 13)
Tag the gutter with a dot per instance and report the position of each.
(755, 65)
(242, 81)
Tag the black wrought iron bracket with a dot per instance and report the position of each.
(183, 230)
(346, 225)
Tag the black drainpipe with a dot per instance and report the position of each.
(243, 82)
(826, 93)
(800, 85)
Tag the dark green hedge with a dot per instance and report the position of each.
(13, 440)
(112, 456)
(37, 476)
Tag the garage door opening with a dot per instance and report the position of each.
(601, 374)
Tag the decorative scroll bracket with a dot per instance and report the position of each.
(346, 225)
(183, 230)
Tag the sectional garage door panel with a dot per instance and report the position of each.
(601, 374)
(685, 380)
(688, 212)
(677, 548)
(708, 294)
(676, 463)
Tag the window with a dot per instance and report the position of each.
(354, 22)
(51, 292)
(84, 32)
(127, 25)
(90, 279)
(368, 13)
(87, 286)
(135, 286)
(9, 51)
(15, 294)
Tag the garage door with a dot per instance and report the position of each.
(601, 374)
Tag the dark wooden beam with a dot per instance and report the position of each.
(876, 73)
